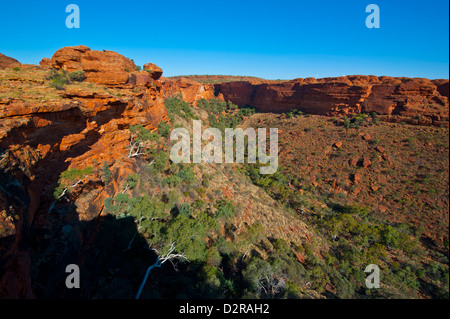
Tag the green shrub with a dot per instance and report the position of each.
(70, 177)
(132, 180)
(172, 181)
(176, 106)
(185, 209)
(164, 129)
(58, 79)
(226, 209)
(161, 160)
(106, 173)
(186, 175)
(77, 76)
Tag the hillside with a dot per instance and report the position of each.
(86, 178)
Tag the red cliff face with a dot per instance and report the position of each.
(42, 136)
(345, 95)
(191, 91)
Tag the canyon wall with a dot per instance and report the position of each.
(44, 132)
(345, 95)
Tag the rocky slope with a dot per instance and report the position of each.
(8, 62)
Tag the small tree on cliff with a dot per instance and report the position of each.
(69, 179)
(140, 140)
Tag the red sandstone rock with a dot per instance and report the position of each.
(41, 140)
(380, 149)
(338, 144)
(154, 70)
(101, 67)
(191, 91)
(46, 63)
(7, 62)
(366, 162)
(353, 162)
(344, 95)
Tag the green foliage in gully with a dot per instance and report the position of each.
(220, 268)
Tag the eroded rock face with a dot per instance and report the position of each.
(7, 62)
(154, 70)
(345, 95)
(45, 63)
(191, 91)
(103, 67)
(41, 139)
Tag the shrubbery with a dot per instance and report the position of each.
(58, 79)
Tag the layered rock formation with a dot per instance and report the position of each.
(102, 67)
(191, 91)
(345, 95)
(42, 136)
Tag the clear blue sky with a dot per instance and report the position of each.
(281, 39)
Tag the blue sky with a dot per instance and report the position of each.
(281, 39)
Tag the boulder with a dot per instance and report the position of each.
(154, 70)
(102, 67)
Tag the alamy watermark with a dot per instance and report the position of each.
(373, 279)
(73, 279)
(234, 139)
(373, 19)
(73, 19)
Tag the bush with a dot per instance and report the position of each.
(185, 209)
(176, 106)
(186, 175)
(106, 173)
(161, 160)
(171, 181)
(226, 209)
(58, 79)
(77, 76)
(164, 129)
(132, 180)
(70, 177)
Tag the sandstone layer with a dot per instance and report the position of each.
(410, 97)
(43, 132)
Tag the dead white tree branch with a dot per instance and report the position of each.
(160, 260)
(62, 194)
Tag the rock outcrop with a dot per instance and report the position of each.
(46, 63)
(154, 70)
(191, 91)
(103, 67)
(345, 95)
(40, 137)
(7, 62)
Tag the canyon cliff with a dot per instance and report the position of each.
(405, 97)
(45, 131)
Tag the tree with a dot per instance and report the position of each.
(106, 173)
(69, 179)
(169, 255)
(139, 139)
